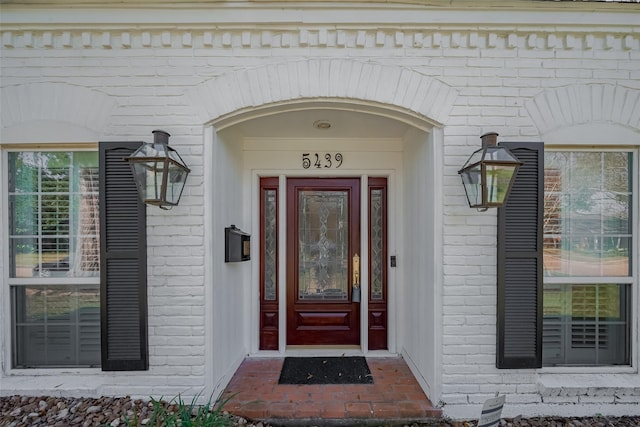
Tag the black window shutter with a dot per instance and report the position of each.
(123, 263)
(519, 317)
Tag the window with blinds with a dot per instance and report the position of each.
(588, 263)
(54, 258)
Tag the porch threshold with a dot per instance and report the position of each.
(394, 398)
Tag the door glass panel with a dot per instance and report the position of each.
(323, 250)
(270, 245)
(377, 254)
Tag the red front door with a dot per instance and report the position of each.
(323, 251)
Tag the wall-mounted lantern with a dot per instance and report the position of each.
(159, 172)
(489, 174)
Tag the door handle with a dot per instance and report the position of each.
(356, 270)
(355, 291)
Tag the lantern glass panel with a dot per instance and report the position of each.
(476, 157)
(499, 154)
(139, 176)
(148, 175)
(498, 182)
(471, 178)
(175, 182)
(155, 178)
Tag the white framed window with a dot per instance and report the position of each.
(590, 276)
(53, 258)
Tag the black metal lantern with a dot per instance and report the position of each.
(489, 174)
(159, 172)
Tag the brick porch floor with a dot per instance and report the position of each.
(394, 395)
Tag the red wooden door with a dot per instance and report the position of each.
(323, 242)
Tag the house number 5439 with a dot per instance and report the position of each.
(319, 160)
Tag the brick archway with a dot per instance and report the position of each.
(575, 105)
(60, 106)
(395, 90)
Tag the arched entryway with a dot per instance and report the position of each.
(287, 182)
(388, 122)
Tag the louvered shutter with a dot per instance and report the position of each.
(519, 325)
(123, 263)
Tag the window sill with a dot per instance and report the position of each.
(34, 382)
(564, 382)
(51, 371)
(587, 370)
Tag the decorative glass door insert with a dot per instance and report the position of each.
(269, 333)
(378, 276)
(323, 249)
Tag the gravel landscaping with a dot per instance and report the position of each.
(46, 411)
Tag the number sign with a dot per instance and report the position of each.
(321, 161)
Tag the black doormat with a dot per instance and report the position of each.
(325, 370)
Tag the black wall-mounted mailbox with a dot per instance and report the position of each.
(237, 245)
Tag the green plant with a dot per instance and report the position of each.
(178, 413)
(190, 415)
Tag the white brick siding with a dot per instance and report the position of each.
(523, 80)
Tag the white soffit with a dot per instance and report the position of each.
(343, 124)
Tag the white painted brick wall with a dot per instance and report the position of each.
(492, 79)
